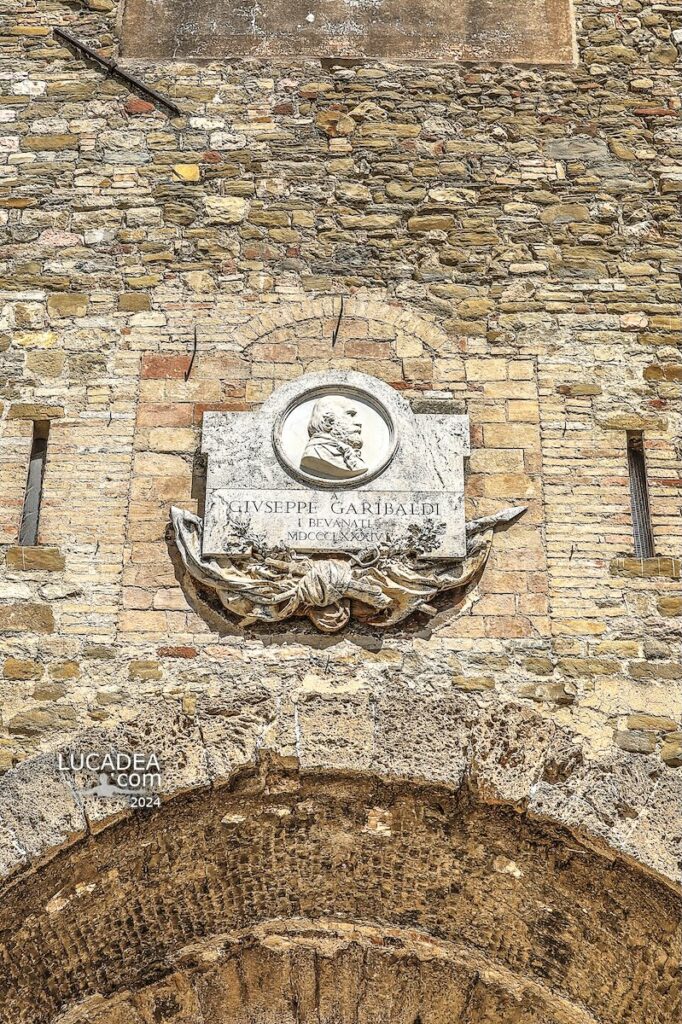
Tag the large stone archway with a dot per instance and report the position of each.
(292, 895)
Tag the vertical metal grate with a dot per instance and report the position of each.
(639, 497)
(28, 532)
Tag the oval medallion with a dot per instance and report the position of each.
(335, 437)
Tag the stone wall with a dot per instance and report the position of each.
(506, 238)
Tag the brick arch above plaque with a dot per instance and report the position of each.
(525, 31)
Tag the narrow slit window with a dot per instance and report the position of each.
(639, 497)
(28, 532)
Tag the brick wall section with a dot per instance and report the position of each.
(500, 395)
(505, 236)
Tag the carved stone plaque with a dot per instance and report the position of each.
(335, 462)
(333, 502)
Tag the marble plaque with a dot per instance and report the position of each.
(335, 462)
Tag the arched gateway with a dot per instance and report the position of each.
(322, 895)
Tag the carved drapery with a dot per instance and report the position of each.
(380, 587)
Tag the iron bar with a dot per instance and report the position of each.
(113, 69)
(338, 324)
(193, 356)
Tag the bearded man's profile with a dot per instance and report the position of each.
(335, 443)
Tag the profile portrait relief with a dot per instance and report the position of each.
(334, 448)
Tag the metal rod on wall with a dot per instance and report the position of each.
(112, 68)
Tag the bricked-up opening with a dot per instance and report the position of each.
(30, 516)
(529, 31)
(639, 496)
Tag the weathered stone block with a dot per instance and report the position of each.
(431, 222)
(539, 666)
(669, 372)
(579, 390)
(164, 367)
(579, 627)
(662, 339)
(26, 618)
(45, 364)
(655, 670)
(48, 691)
(34, 411)
(587, 667)
(369, 221)
(510, 435)
(135, 105)
(49, 142)
(41, 720)
(627, 421)
(64, 670)
(528, 32)
(67, 304)
(190, 173)
(335, 122)
(636, 742)
(473, 684)
(225, 209)
(20, 668)
(565, 213)
(134, 302)
(144, 670)
(646, 568)
(486, 369)
(35, 558)
(56, 818)
(670, 606)
(169, 439)
(177, 652)
(99, 652)
(405, 190)
(35, 339)
(523, 411)
(671, 751)
(652, 722)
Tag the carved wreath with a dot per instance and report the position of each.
(380, 587)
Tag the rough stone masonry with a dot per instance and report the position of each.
(506, 242)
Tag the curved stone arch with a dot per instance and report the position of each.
(414, 333)
(313, 969)
(508, 915)
(505, 752)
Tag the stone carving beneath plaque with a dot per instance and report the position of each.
(334, 500)
(381, 588)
